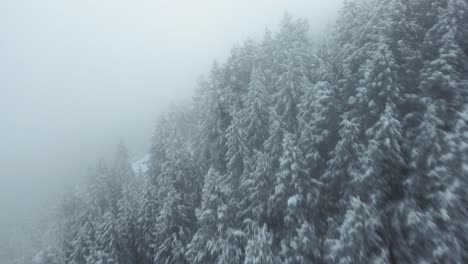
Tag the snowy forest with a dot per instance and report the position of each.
(351, 148)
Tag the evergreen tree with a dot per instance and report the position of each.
(258, 249)
(236, 74)
(212, 129)
(435, 181)
(205, 245)
(48, 255)
(255, 189)
(292, 62)
(273, 144)
(127, 220)
(178, 192)
(294, 195)
(340, 166)
(173, 233)
(253, 122)
(318, 126)
(109, 243)
(358, 240)
(148, 209)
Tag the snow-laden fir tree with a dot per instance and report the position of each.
(294, 195)
(205, 246)
(318, 126)
(177, 192)
(249, 129)
(358, 240)
(259, 247)
(292, 67)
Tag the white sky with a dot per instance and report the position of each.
(78, 76)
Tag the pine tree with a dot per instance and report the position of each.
(303, 247)
(48, 255)
(253, 122)
(237, 152)
(259, 248)
(76, 223)
(255, 189)
(462, 130)
(205, 244)
(172, 228)
(292, 60)
(232, 240)
(254, 116)
(358, 240)
(435, 181)
(236, 74)
(83, 241)
(318, 126)
(265, 65)
(294, 195)
(443, 77)
(461, 186)
(127, 220)
(212, 129)
(109, 241)
(146, 224)
(341, 165)
(117, 177)
(178, 192)
(273, 144)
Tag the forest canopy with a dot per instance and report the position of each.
(348, 149)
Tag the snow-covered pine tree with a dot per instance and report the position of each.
(236, 74)
(253, 121)
(265, 62)
(172, 227)
(318, 122)
(259, 247)
(211, 130)
(444, 76)
(128, 209)
(237, 152)
(255, 189)
(177, 191)
(148, 209)
(353, 32)
(434, 184)
(358, 241)
(341, 165)
(294, 197)
(48, 255)
(273, 144)
(109, 243)
(254, 116)
(292, 67)
(382, 162)
(84, 240)
(117, 177)
(205, 245)
(77, 225)
(461, 185)
(246, 136)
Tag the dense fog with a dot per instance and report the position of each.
(78, 77)
(247, 132)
